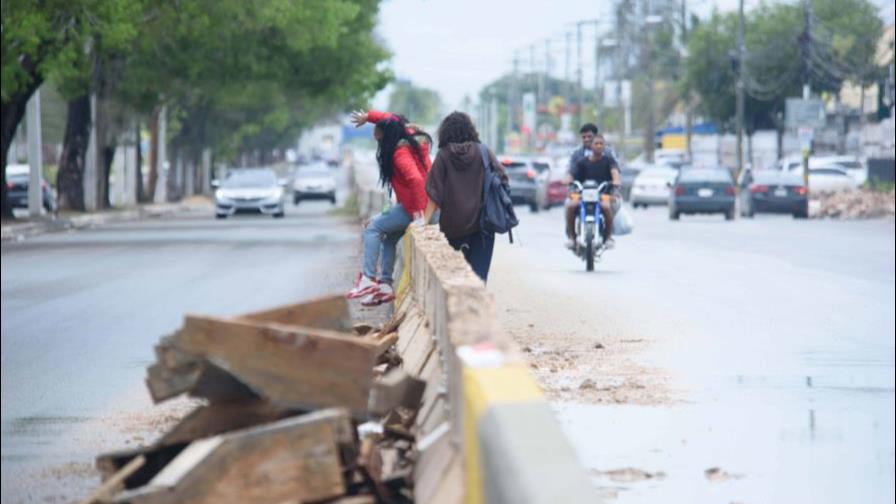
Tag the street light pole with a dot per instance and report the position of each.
(581, 98)
(740, 88)
(649, 131)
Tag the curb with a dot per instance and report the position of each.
(18, 232)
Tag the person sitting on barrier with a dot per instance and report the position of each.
(403, 158)
(454, 187)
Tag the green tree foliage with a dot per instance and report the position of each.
(781, 56)
(49, 40)
(419, 105)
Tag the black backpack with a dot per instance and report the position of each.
(496, 214)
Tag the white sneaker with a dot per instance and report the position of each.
(609, 244)
(383, 294)
(571, 244)
(363, 287)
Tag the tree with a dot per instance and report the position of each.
(47, 40)
(418, 104)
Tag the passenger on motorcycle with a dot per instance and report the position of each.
(599, 167)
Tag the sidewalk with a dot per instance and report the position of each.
(19, 229)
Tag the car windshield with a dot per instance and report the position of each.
(514, 165)
(775, 177)
(656, 173)
(703, 175)
(828, 171)
(540, 167)
(309, 174)
(249, 178)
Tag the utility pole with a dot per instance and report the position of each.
(689, 113)
(567, 97)
(739, 110)
(91, 162)
(35, 155)
(649, 131)
(597, 97)
(580, 101)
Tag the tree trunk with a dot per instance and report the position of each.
(140, 197)
(70, 179)
(12, 112)
(107, 158)
(153, 155)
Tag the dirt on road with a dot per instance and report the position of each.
(577, 350)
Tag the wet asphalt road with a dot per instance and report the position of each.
(777, 336)
(81, 312)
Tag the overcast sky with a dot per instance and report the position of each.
(457, 46)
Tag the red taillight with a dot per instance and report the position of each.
(530, 173)
(679, 190)
(800, 191)
(9, 185)
(730, 191)
(759, 188)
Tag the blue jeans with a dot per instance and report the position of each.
(380, 238)
(477, 249)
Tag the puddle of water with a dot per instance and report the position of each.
(785, 444)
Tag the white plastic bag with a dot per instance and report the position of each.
(622, 223)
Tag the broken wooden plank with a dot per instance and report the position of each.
(292, 366)
(218, 418)
(383, 342)
(199, 379)
(396, 389)
(295, 459)
(170, 356)
(329, 312)
(114, 484)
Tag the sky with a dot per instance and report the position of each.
(458, 46)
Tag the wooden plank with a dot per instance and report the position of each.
(384, 343)
(292, 460)
(163, 384)
(396, 389)
(329, 312)
(113, 484)
(170, 356)
(218, 418)
(199, 379)
(294, 367)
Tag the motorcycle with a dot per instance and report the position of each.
(590, 224)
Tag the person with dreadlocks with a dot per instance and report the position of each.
(403, 158)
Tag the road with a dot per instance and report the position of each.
(713, 361)
(81, 312)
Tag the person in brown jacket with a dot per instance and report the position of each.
(454, 186)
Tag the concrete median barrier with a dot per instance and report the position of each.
(485, 431)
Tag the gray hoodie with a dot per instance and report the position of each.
(455, 184)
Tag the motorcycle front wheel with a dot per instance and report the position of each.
(589, 252)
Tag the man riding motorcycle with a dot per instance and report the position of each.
(598, 167)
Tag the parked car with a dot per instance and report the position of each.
(522, 175)
(653, 186)
(551, 186)
(855, 168)
(773, 191)
(17, 182)
(702, 190)
(249, 190)
(830, 178)
(314, 182)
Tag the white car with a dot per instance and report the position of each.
(314, 182)
(652, 186)
(830, 179)
(256, 190)
(853, 166)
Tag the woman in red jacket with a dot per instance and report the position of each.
(403, 157)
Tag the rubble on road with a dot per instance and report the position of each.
(857, 204)
(299, 405)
